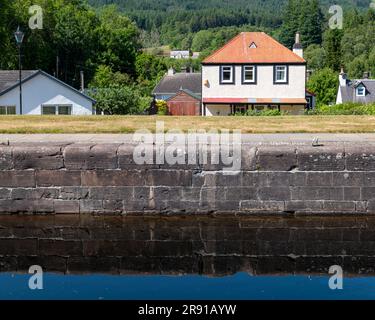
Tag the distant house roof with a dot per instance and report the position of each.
(188, 92)
(348, 92)
(253, 47)
(171, 84)
(9, 79)
(180, 53)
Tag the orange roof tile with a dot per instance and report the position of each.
(267, 50)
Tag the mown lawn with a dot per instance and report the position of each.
(129, 124)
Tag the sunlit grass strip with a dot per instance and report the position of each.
(129, 124)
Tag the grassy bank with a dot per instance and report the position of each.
(129, 124)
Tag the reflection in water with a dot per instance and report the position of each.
(212, 246)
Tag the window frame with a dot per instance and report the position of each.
(57, 106)
(357, 91)
(233, 74)
(255, 74)
(7, 110)
(286, 79)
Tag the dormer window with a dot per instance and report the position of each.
(361, 91)
(227, 75)
(253, 45)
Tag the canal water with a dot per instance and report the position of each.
(187, 257)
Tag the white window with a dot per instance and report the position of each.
(7, 110)
(361, 91)
(248, 74)
(56, 110)
(227, 74)
(281, 74)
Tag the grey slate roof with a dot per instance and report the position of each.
(190, 93)
(171, 84)
(349, 92)
(9, 78)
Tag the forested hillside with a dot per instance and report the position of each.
(173, 22)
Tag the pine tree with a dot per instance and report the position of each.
(332, 46)
(311, 22)
(290, 25)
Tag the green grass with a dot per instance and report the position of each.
(129, 124)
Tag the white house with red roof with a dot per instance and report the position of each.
(254, 72)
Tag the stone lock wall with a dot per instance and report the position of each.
(103, 179)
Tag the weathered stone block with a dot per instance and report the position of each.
(5, 193)
(368, 193)
(6, 160)
(319, 179)
(282, 158)
(260, 206)
(52, 178)
(352, 193)
(66, 206)
(62, 248)
(339, 206)
(113, 178)
(18, 247)
(168, 178)
(111, 193)
(34, 193)
(317, 193)
(74, 193)
(360, 157)
(326, 158)
(99, 264)
(38, 157)
(303, 206)
(17, 179)
(26, 206)
(90, 157)
(350, 179)
(274, 193)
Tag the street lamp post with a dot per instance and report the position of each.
(19, 39)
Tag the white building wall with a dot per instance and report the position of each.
(217, 110)
(42, 90)
(265, 88)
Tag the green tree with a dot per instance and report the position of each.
(311, 22)
(315, 56)
(332, 46)
(324, 83)
(290, 24)
(118, 40)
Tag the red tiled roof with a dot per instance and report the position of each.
(256, 100)
(267, 50)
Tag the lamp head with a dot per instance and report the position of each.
(19, 35)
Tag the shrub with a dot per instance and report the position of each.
(263, 113)
(162, 107)
(344, 109)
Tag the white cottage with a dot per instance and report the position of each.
(42, 94)
(254, 72)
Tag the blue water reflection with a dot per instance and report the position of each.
(240, 286)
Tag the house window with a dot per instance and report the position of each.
(248, 74)
(281, 74)
(7, 110)
(57, 110)
(227, 75)
(361, 91)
